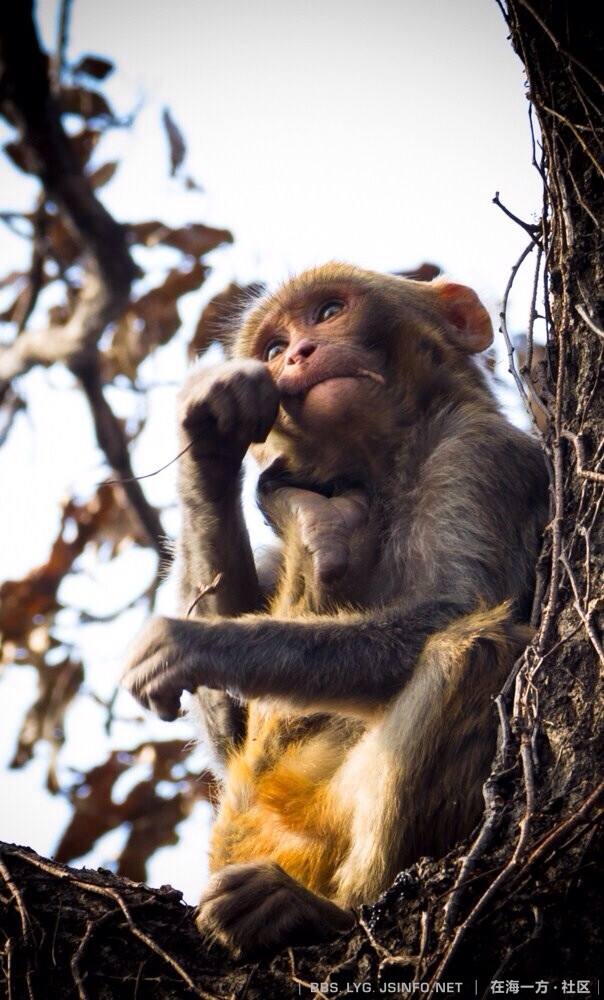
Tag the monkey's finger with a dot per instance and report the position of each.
(223, 407)
(227, 880)
(267, 413)
(168, 708)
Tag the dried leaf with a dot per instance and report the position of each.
(64, 245)
(425, 272)
(150, 322)
(84, 102)
(15, 309)
(194, 240)
(103, 174)
(84, 143)
(11, 277)
(57, 687)
(60, 314)
(94, 66)
(176, 141)
(22, 156)
(221, 315)
(152, 817)
(192, 185)
(24, 601)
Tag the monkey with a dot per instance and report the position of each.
(348, 695)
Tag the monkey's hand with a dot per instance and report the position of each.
(161, 665)
(223, 410)
(326, 524)
(255, 908)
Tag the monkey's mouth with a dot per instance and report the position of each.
(301, 383)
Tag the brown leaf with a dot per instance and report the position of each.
(197, 239)
(63, 244)
(150, 322)
(59, 315)
(194, 240)
(176, 141)
(192, 185)
(425, 272)
(22, 601)
(11, 277)
(84, 102)
(94, 66)
(220, 317)
(152, 817)
(57, 687)
(22, 156)
(103, 174)
(14, 310)
(84, 143)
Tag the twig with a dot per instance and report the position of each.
(17, 899)
(530, 228)
(559, 832)
(577, 441)
(573, 128)
(60, 58)
(210, 588)
(11, 405)
(589, 321)
(585, 616)
(511, 867)
(8, 951)
(112, 439)
(75, 958)
(148, 475)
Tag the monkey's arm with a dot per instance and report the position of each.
(214, 546)
(221, 411)
(359, 661)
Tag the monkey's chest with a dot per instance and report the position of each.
(278, 803)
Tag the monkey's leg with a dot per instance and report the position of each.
(412, 786)
(258, 907)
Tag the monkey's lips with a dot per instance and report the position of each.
(333, 397)
(300, 383)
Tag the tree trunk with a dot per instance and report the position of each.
(519, 900)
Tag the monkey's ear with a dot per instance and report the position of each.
(472, 328)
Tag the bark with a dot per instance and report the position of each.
(519, 900)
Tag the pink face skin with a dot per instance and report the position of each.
(325, 379)
(330, 403)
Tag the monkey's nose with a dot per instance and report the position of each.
(300, 351)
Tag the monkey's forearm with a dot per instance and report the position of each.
(215, 540)
(360, 661)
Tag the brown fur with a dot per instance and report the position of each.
(409, 513)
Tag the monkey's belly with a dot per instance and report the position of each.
(278, 802)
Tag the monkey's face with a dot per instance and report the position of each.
(352, 352)
(328, 377)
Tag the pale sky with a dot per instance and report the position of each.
(376, 132)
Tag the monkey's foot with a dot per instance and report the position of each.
(255, 908)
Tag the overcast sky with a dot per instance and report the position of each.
(376, 132)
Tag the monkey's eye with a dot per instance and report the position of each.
(272, 350)
(328, 309)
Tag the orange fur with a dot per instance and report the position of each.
(341, 816)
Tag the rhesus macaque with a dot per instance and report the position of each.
(349, 694)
